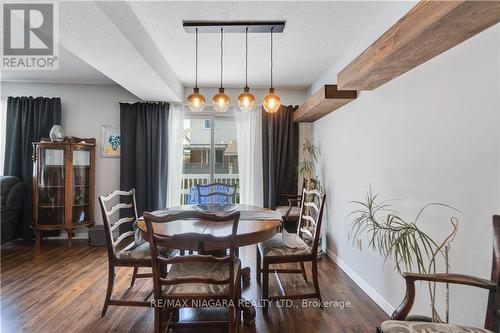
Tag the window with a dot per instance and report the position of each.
(210, 152)
(206, 123)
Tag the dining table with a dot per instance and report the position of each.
(256, 224)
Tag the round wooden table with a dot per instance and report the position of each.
(254, 227)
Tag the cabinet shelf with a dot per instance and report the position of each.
(81, 205)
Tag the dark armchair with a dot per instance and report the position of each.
(12, 194)
(399, 323)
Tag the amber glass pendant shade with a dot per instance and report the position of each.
(196, 101)
(246, 101)
(272, 102)
(221, 101)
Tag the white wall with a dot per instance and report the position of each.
(430, 135)
(85, 108)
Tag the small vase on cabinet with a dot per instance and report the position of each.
(63, 185)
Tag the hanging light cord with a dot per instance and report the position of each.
(221, 53)
(246, 57)
(196, 61)
(272, 57)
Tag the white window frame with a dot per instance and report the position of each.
(209, 113)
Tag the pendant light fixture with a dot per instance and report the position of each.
(196, 101)
(221, 100)
(246, 101)
(272, 101)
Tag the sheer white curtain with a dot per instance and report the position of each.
(175, 151)
(249, 142)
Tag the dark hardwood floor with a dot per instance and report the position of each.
(56, 289)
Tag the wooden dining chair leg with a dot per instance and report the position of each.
(157, 319)
(238, 307)
(238, 320)
(109, 290)
(315, 279)
(265, 285)
(134, 276)
(231, 318)
(304, 274)
(258, 271)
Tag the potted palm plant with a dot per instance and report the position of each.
(404, 241)
(309, 157)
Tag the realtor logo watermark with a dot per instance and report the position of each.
(30, 36)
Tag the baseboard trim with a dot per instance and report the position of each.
(372, 293)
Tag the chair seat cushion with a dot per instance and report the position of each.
(218, 271)
(276, 247)
(141, 251)
(395, 326)
(294, 212)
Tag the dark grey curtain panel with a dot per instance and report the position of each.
(280, 154)
(144, 152)
(28, 120)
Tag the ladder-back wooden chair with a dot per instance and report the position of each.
(119, 209)
(274, 251)
(193, 279)
(398, 321)
(289, 207)
(216, 193)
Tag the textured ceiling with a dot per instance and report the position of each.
(315, 35)
(142, 46)
(71, 70)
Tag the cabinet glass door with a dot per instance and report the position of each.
(81, 185)
(51, 186)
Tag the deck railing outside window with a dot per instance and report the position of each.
(190, 180)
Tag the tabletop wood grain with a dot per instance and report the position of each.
(250, 231)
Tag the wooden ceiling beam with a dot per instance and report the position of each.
(325, 100)
(427, 30)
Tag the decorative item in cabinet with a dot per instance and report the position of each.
(63, 185)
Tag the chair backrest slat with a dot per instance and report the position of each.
(117, 207)
(126, 206)
(116, 193)
(312, 205)
(159, 261)
(216, 193)
(122, 237)
(121, 221)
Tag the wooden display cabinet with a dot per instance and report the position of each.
(63, 185)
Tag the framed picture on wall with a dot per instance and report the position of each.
(110, 141)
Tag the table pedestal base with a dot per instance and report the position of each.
(245, 274)
(248, 308)
(248, 312)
